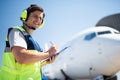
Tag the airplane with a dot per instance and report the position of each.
(92, 54)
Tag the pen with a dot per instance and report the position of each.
(51, 43)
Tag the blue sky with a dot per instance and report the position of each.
(63, 19)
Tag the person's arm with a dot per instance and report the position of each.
(24, 56)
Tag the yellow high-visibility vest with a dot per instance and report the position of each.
(12, 70)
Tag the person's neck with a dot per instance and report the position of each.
(30, 31)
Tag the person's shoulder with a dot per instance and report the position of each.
(14, 29)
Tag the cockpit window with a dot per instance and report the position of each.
(116, 32)
(90, 36)
(104, 32)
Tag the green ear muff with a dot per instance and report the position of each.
(24, 15)
(41, 26)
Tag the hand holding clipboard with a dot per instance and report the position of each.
(55, 54)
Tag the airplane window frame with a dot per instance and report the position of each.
(116, 32)
(104, 32)
(90, 36)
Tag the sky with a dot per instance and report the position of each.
(63, 18)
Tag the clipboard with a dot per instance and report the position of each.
(55, 54)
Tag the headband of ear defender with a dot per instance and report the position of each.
(24, 17)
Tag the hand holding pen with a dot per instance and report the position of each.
(53, 49)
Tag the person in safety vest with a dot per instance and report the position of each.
(22, 57)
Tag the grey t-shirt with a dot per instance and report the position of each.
(16, 38)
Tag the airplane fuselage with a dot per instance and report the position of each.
(93, 52)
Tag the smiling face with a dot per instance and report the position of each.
(35, 19)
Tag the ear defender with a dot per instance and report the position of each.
(24, 16)
(42, 24)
